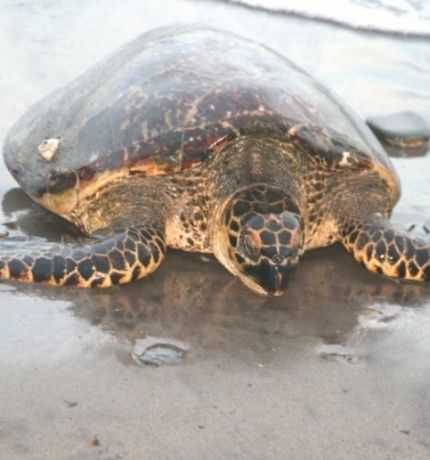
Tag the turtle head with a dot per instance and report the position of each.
(261, 238)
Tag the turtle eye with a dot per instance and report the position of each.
(248, 247)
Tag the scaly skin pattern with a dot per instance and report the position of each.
(265, 240)
(387, 251)
(128, 255)
(186, 206)
(270, 235)
(155, 140)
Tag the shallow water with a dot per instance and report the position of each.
(337, 368)
(408, 17)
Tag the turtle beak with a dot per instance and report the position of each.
(271, 278)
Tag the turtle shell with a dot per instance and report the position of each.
(162, 104)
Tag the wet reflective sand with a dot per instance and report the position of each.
(337, 368)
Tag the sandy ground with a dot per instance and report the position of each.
(338, 368)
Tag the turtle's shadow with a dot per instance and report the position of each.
(196, 300)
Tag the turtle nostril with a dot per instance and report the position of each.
(277, 259)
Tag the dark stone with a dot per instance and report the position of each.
(403, 132)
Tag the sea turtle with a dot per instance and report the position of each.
(200, 140)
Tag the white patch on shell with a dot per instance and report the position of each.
(48, 148)
(345, 159)
(294, 129)
(94, 156)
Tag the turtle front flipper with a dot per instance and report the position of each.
(127, 255)
(383, 249)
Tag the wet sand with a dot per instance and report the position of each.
(337, 368)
